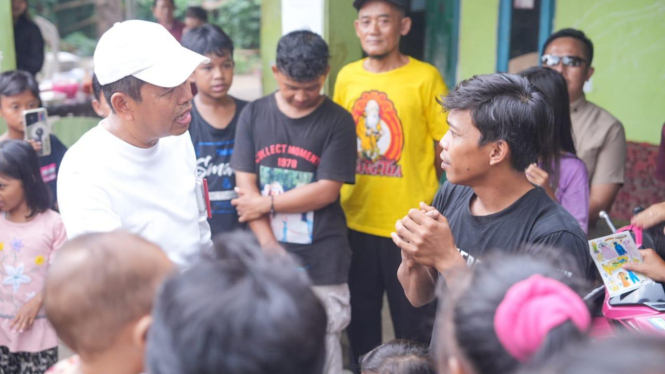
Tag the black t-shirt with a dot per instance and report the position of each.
(287, 153)
(214, 148)
(50, 167)
(533, 219)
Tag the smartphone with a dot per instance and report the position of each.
(35, 123)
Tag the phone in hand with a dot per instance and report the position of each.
(35, 125)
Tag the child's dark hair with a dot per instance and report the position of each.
(398, 357)
(208, 39)
(635, 354)
(18, 160)
(17, 81)
(302, 56)
(197, 12)
(466, 317)
(240, 312)
(96, 87)
(554, 86)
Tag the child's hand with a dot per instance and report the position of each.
(26, 315)
(37, 146)
(540, 177)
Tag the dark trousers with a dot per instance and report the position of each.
(374, 266)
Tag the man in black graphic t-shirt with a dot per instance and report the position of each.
(487, 203)
(294, 150)
(214, 118)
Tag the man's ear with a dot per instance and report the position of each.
(499, 152)
(140, 333)
(405, 26)
(589, 73)
(123, 105)
(275, 71)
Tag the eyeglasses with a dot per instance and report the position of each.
(552, 60)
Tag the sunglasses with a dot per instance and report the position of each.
(552, 60)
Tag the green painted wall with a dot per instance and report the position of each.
(7, 36)
(477, 45)
(629, 51)
(341, 37)
(271, 31)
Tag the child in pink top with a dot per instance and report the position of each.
(30, 233)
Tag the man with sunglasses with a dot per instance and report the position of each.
(599, 137)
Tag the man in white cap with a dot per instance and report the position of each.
(137, 170)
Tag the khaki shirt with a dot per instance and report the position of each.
(600, 141)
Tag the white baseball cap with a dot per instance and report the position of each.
(145, 50)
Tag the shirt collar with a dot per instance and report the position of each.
(575, 105)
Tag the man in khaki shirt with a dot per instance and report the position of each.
(600, 139)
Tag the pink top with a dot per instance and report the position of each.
(573, 189)
(66, 366)
(26, 250)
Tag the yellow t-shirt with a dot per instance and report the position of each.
(397, 122)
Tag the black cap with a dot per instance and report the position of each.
(404, 4)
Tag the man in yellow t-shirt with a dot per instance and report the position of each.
(393, 100)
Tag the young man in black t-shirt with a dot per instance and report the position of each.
(294, 150)
(487, 203)
(214, 117)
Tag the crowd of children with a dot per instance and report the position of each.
(141, 287)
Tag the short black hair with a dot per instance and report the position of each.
(96, 87)
(239, 312)
(466, 313)
(302, 56)
(197, 12)
(505, 107)
(398, 357)
(207, 40)
(638, 354)
(18, 160)
(576, 34)
(16, 82)
(128, 85)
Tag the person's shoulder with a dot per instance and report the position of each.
(336, 110)
(604, 117)
(52, 217)
(450, 194)
(240, 104)
(424, 69)
(552, 218)
(355, 67)
(88, 147)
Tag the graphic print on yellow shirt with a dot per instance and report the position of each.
(398, 121)
(380, 135)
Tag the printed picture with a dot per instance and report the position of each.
(294, 228)
(611, 253)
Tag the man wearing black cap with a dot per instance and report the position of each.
(392, 98)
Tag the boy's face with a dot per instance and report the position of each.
(18, 8)
(12, 107)
(214, 78)
(300, 95)
(463, 159)
(192, 23)
(101, 106)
